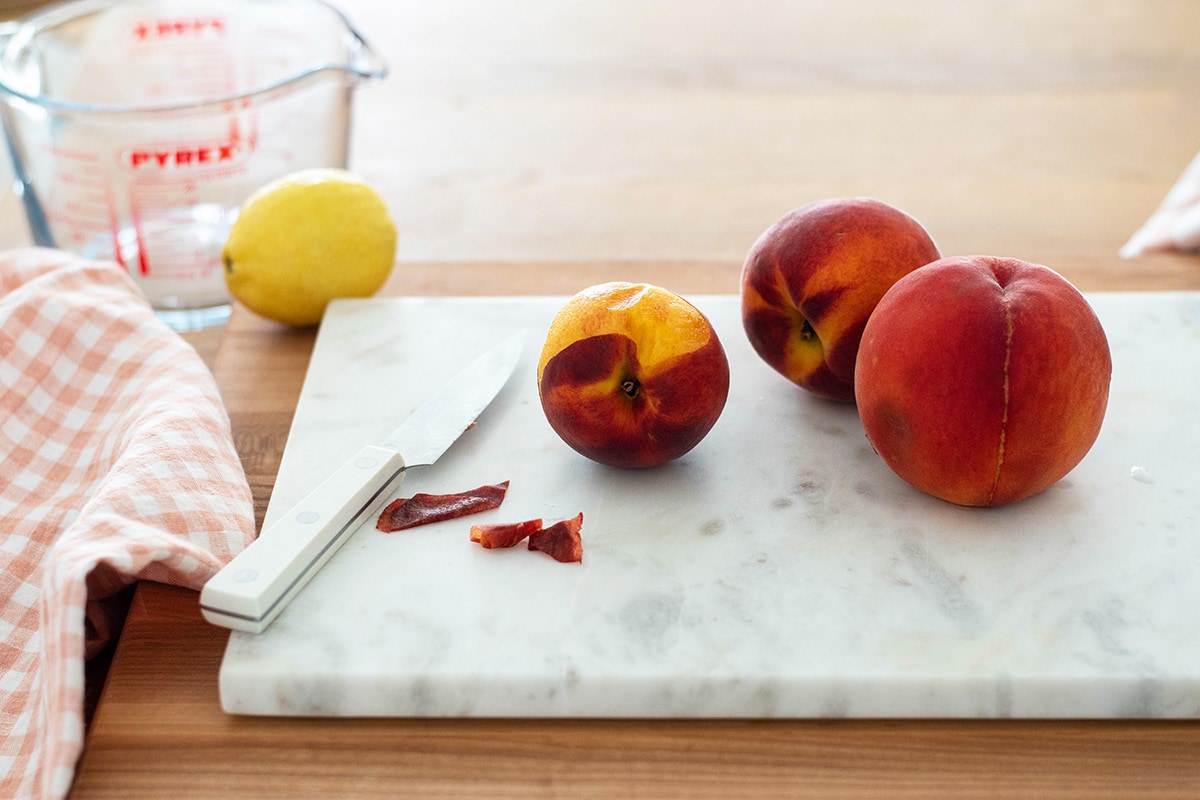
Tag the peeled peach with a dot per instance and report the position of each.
(632, 375)
(813, 278)
(983, 380)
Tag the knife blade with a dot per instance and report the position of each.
(250, 591)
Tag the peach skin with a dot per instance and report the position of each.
(632, 375)
(813, 278)
(983, 380)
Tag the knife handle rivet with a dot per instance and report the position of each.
(366, 462)
(245, 575)
(307, 517)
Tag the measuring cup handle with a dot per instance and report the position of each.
(35, 215)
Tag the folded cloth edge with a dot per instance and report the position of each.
(1175, 224)
(175, 519)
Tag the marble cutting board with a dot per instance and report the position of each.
(778, 570)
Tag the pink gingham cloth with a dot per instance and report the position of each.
(116, 464)
(1175, 224)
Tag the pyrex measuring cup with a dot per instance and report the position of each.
(137, 127)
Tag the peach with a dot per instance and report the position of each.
(983, 380)
(632, 375)
(812, 279)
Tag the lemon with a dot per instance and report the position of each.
(305, 239)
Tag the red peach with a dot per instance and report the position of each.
(813, 278)
(632, 375)
(983, 380)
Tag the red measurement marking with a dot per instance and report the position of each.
(135, 211)
(114, 230)
(170, 29)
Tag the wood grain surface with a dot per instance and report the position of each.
(161, 736)
(159, 730)
(541, 146)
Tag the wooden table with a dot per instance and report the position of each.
(542, 146)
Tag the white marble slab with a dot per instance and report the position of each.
(778, 570)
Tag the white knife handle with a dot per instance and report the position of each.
(254, 587)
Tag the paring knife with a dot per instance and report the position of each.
(250, 591)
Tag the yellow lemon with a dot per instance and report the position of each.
(305, 239)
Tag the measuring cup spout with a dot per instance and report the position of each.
(366, 63)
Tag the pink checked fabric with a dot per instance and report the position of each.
(116, 463)
(1175, 224)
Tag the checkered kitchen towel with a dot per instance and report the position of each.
(1175, 224)
(116, 463)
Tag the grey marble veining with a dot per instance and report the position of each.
(778, 570)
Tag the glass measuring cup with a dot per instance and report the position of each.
(137, 127)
